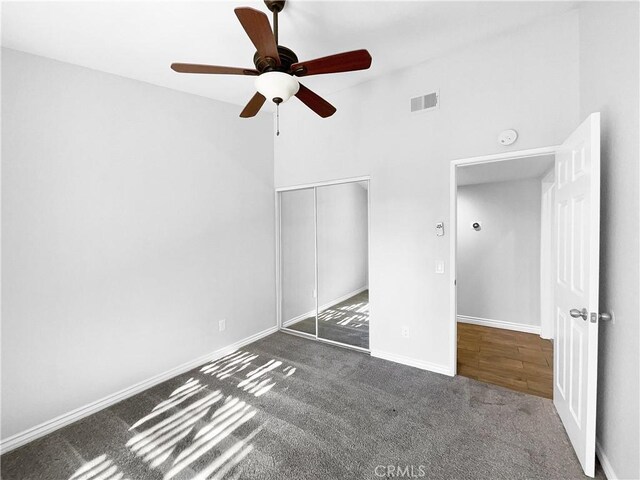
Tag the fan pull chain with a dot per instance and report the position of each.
(278, 119)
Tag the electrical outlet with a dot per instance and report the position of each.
(405, 332)
(222, 324)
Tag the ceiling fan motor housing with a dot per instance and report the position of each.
(267, 64)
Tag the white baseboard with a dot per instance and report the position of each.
(336, 301)
(412, 362)
(604, 461)
(487, 322)
(49, 426)
(298, 318)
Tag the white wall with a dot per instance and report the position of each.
(609, 79)
(525, 79)
(133, 218)
(342, 246)
(499, 265)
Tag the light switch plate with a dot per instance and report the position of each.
(440, 229)
(440, 266)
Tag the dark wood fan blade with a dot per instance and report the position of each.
(257, 26)
(254, 106)
(315, 102)
(341, 62)
(195, 68)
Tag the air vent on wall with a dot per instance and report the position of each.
(423, 103)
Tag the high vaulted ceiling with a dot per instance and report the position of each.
(140, 40)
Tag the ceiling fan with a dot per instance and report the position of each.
(276, 67)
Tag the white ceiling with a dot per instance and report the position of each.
(508, 171)
(140, 40)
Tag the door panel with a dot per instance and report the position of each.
(560, 349)
(576, 287)
(343, 282)
(298, 260)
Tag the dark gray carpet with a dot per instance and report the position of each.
(346, 322)
(291, 408)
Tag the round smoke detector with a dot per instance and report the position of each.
(507, 137)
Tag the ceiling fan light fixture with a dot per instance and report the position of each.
(277, 67)
(277, 86)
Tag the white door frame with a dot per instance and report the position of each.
(453, 199)
(278, 191)
(546, 248)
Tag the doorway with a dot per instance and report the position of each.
(502, 273)
(575, 249)
(323, 261)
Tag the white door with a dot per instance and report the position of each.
(577, 210)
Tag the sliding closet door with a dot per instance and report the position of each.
(343, 273)
(298, 260)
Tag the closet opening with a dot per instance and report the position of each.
(323, 261)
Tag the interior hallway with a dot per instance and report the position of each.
(516, 360)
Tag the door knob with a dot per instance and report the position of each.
(575, 313)
(605, 317)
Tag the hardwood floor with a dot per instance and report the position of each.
(515, 360)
